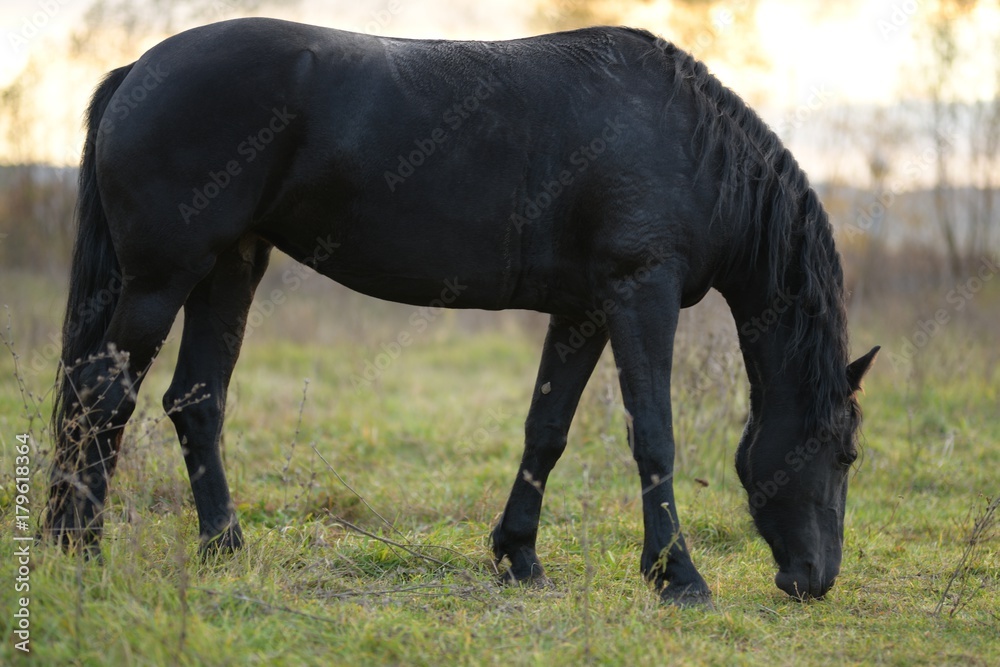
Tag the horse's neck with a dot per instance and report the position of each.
(765, 324)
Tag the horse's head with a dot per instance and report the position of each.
(797, 485)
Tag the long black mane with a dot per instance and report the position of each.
(762, 188)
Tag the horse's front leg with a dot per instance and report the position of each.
(642, 336)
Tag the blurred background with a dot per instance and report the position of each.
(891, 106)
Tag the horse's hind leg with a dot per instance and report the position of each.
(102, 397)
(214, 319)
(562, 375)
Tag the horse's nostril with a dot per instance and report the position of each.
(802, 584)
(789, 583)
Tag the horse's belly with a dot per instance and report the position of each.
(415, 268)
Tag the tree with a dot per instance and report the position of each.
(962, 214)
(709, 29)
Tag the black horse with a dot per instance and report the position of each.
(602, 176)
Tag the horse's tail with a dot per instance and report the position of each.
(95, 276)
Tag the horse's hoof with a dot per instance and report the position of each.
(536, 579)
(72, 540)
(228, 542)
(687, 596)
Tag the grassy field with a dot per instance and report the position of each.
(367, 507)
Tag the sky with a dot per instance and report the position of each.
(821, 55)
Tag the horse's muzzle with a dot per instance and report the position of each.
(805, 582)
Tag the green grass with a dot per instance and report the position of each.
(433, 446)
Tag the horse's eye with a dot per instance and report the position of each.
(849, 457)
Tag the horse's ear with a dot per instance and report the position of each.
(856, 369)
